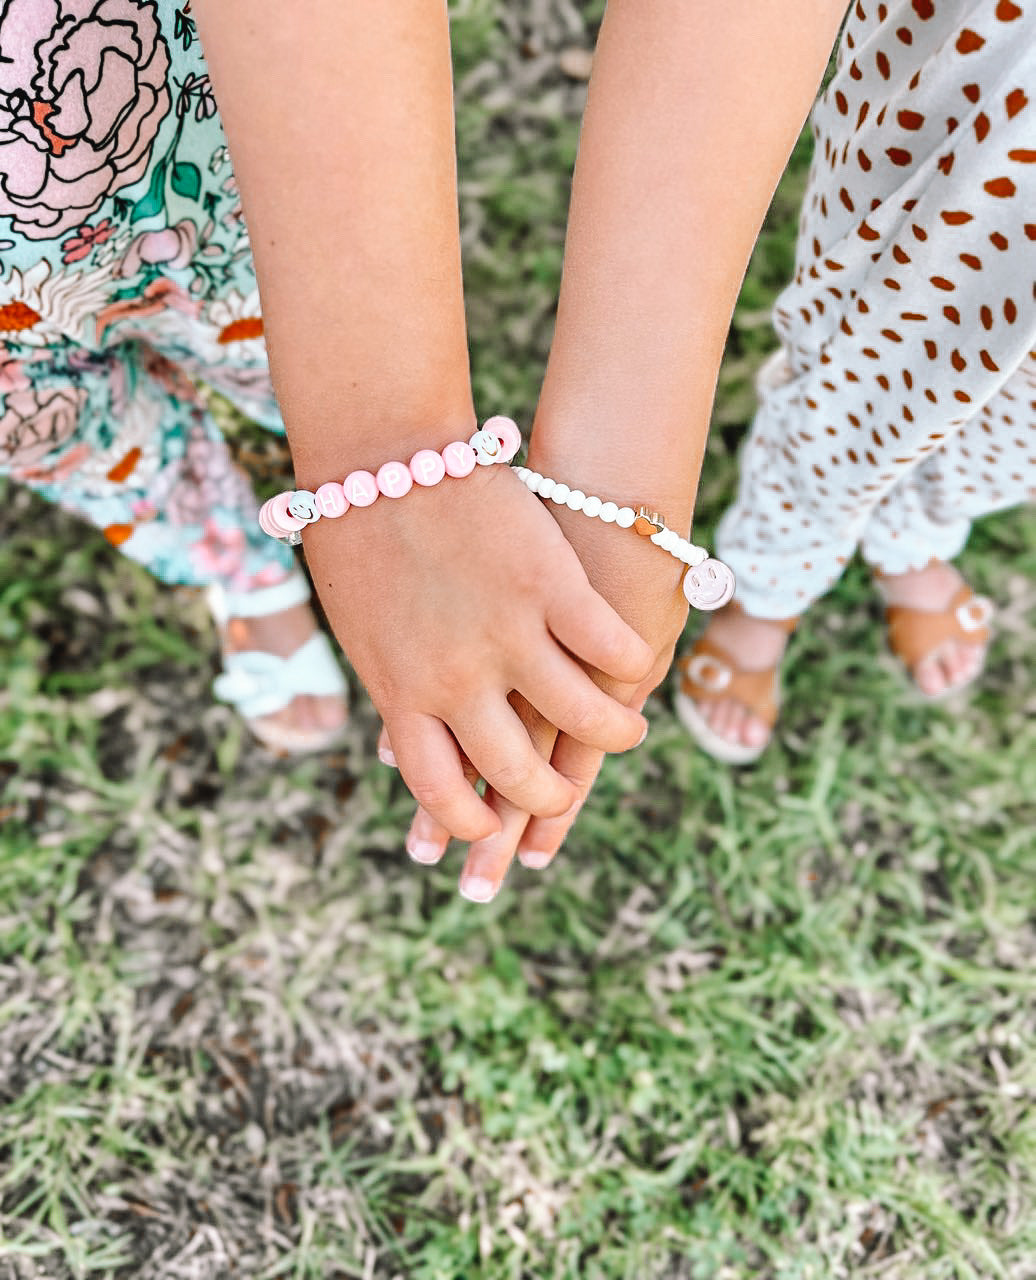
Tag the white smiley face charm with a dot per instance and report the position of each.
(487, 447)
(709, 585)
(303, 506)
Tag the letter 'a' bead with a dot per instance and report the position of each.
(394, 480)
(331, 500)
(427, 467)
(361, 488)
(608, 512)
(459, 458)
(624, 517)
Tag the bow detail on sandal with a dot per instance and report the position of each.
(259, 684)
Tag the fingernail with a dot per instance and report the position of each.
(640, 740)
(535, 861)
(477, 889)
(424, 851)
(386, 757)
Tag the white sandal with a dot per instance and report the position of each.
(259, 684)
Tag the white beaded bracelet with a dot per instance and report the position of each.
(707, 584)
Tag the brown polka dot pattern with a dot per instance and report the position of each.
(902, 404)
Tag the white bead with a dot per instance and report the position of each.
(521, 472)
(560, 494)
(575, 500)
(624, 517)
(698, 555)
(608, 512)
(670, 540)
(656, 538)
(546, 487)
(592, 506)
(532, 480)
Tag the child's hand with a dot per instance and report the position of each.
(447, 601)
(643, 584)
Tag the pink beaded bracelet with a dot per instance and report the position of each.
(285, 515)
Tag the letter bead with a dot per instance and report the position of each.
(394, 480)
(427, 467)
(331, 500)
(459, 459)
(361, 488)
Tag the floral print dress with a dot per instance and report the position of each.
(126, 278)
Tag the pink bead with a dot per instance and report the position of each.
(507, 433)
(427, 467)
(265, 523)
(331, 501)
(361, 488)
(394, 479)
(281, 518)
(459, 459)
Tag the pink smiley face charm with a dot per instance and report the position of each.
(709, 585)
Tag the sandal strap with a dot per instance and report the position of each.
(914, 634)
(260, 684)
(709, 673)
(258, 603)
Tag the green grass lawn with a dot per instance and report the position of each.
(777, 1023)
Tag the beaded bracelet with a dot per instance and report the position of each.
(285, 515)
(707, 584)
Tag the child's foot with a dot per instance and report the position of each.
(309, 717)
(728, 694)
(279, 672)
(936, 626)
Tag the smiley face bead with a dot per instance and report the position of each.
(708, 585)
(498, 441)
(303, 506)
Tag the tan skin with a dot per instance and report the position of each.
(349, 189)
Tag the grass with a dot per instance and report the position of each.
(775, 1023)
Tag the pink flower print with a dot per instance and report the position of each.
(160, 295)
(173, 246)
(37, 423)
(220, 553)
(79, 245)
(82, 94)
(12, 373)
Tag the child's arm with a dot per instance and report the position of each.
(340, 123)
(693, 110)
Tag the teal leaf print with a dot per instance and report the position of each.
(186, 180)
(154, 201)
